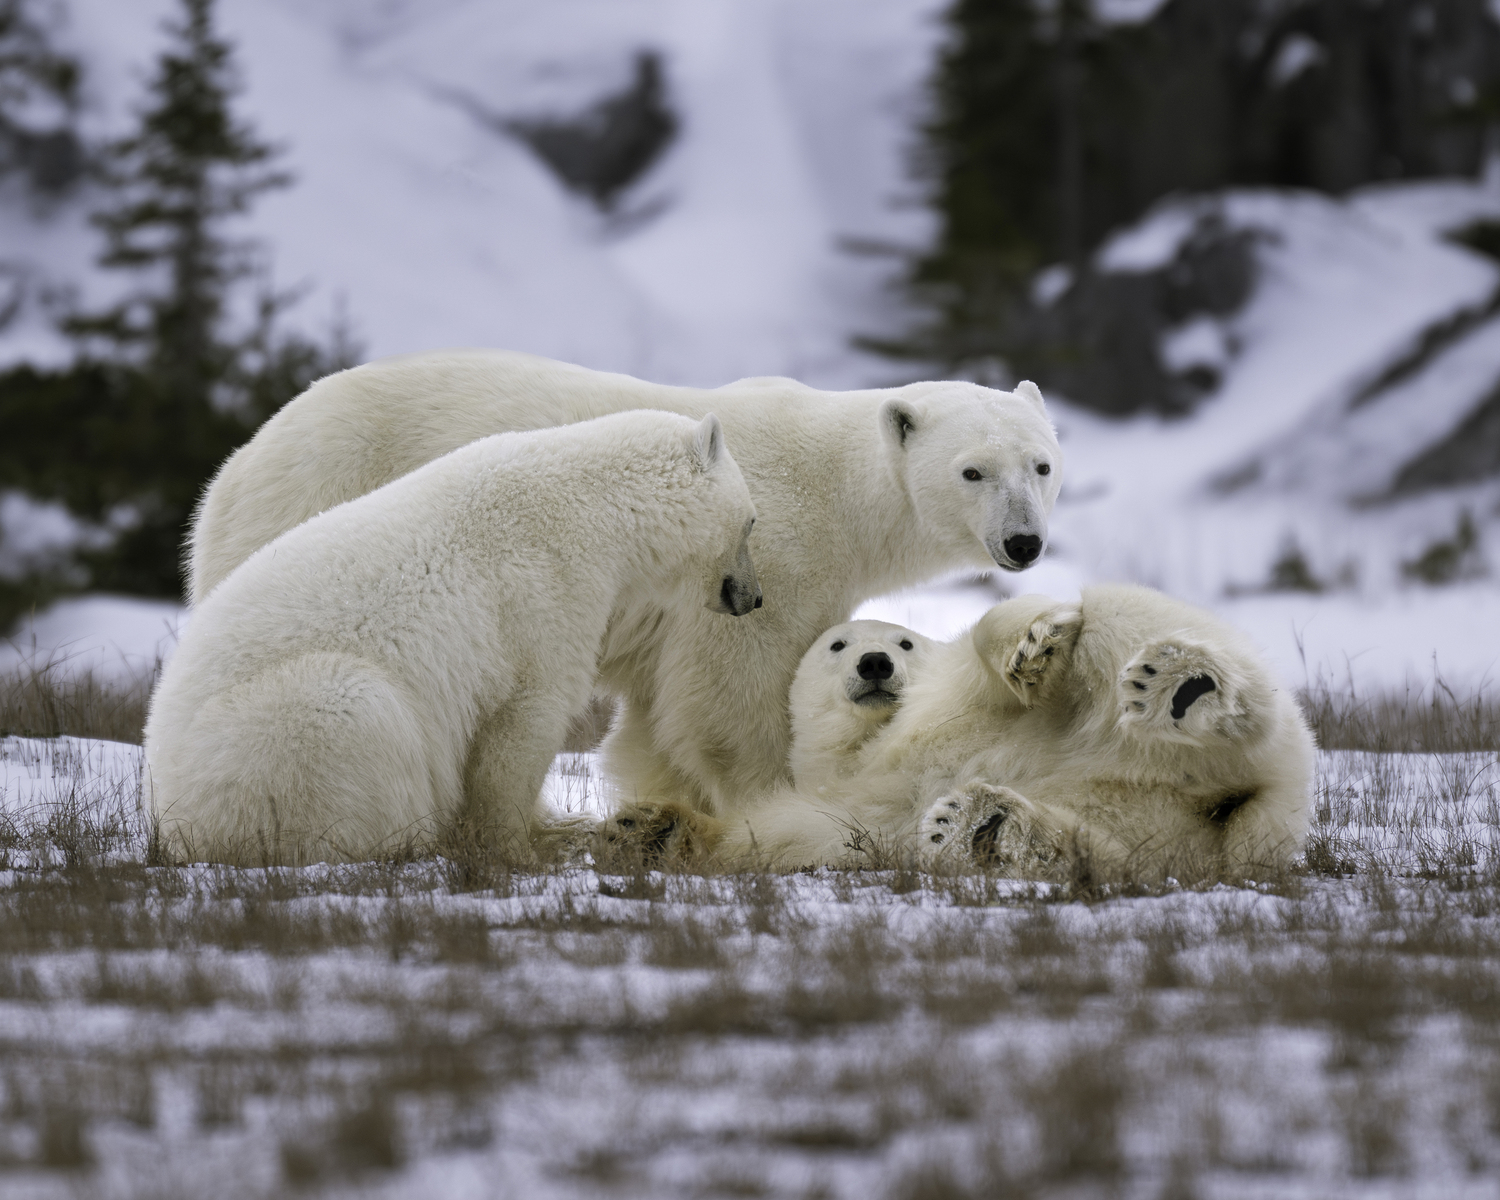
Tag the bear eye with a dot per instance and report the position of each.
(837, 646)
(1044, 468)
(905, 645)
(971, 474)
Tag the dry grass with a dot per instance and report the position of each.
(49, 701)
(394, 1028)
(1437, 723)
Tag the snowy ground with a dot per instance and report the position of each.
(426, 1030)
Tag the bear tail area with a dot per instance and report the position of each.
(318, 759)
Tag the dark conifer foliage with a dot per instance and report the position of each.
(1050, 128)
(188, 168)
(180, 371)
(38, 95)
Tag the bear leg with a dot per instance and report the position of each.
(1176, 685)
(507, 764)
(657, 832)
(988, 826)
(1023, 644)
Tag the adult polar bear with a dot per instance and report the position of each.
(858, 493)
(414, 655)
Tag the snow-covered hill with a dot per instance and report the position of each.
(428, 227)
(418, 217)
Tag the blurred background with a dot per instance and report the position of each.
(1249, 248)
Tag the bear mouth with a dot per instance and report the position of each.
(872, 695)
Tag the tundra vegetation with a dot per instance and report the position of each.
(415, 1026)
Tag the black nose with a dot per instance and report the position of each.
(875, 665)
(1023, 548)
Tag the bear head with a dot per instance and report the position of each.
(982, 468)
(730, 582)
(847, 687)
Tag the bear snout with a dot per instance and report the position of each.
(875, 665)
(737, 597)
(1023, 549)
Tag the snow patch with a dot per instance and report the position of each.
(120, 639)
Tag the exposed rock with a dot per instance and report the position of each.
(609, 145)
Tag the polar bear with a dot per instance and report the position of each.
(859, 493)
(413, 656)
(846, 689)
(1131, 726)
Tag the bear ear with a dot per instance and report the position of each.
(898, 420)
(708, 442)
(1029, 391)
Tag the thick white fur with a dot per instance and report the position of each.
(420, 650)
(858, 493)
(1032, 727)
(835, 710)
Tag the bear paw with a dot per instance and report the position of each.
(656, 832)
(1171, 682)
(985, 825)
(1027, 665)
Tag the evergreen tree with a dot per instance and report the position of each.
(168, 383)
(1051, 127)
(188, 168)
(38, 95)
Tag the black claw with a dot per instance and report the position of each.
(937, 837)
(1150, 670)
(1138, 706)
(1139, 685)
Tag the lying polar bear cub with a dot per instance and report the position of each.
(846, 689)
(1131, 726)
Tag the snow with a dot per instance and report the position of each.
(1149, 244)
(1198, 342)
(428, 228)
(1344, 288)
(34, 534)
(374, 1030)
(41, 774)
(1296, 54)
(120, 639)
(1126, 12)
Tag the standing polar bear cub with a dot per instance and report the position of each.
(417, 653)
(1134, 727)
(859, 493)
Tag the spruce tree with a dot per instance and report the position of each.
(38, 95)
(1051, 127)
(175, 375)
(188, 168)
